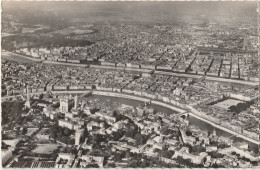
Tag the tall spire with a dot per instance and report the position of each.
(27, 103)
(27, 93)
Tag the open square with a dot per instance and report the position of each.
(227, 103)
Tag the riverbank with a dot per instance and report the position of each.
(161, 104)
(224, 129)
(141, 70)
(126, 96)
(17, 57)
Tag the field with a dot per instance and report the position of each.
(73, 30)
(45, 149)
(227, 103)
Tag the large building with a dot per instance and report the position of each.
(89, 159)
(6, 154)
(65, 104)
(66, 123)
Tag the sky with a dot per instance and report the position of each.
(147, 10)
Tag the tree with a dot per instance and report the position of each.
(215, 165)
(67, 131)
(239, 107)
(232, 109)
(73, 151)
(92, 166)
(53, 135)
(26, 119)
(118, 157)
(130, 133)
(198, 149)
(188, 133)
(180, 160)
(97, 138)
(183, 116)
(41, 96)
(11, 111)
(242, 107)
(150, 163)
(40, 125)
(71, 141)
(144, 163)
(127, 154)
(167, 154)
(216, 155)
(140, 139)
(24, 131)
(19, 120)
(54, 154)
(164, 130)
(117, 135)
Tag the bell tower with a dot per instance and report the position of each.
(27, 103)
(75, 102)
(64, 105)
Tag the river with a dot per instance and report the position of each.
(15, 57)
(157, 108)
(192, 120)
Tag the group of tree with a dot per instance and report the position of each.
(131, 131)
(70, 150)
(188, 162)
(57, 40)
(215, 154)
(165, 130)
(145, 162)
(140, 139)
(24, 131)
(197, 149)
(215, 165)
(188, 133)
(12, 111)
(166, 153)
(115, 136)
(239, 107)
(92, 166)
(96, 139)
(119, 116)
(61, 134)
(139, 161)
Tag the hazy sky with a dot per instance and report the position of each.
(135, 9)
(132, 6)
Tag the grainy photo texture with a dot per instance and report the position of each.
(129, 84)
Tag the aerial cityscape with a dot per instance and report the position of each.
(130, 85)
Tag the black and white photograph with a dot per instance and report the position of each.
(130, 84)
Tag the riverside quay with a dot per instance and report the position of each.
(129, 84)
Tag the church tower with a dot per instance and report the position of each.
(27, 103)
(64, 105)
(75, 102)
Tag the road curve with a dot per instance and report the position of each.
(163, 104)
